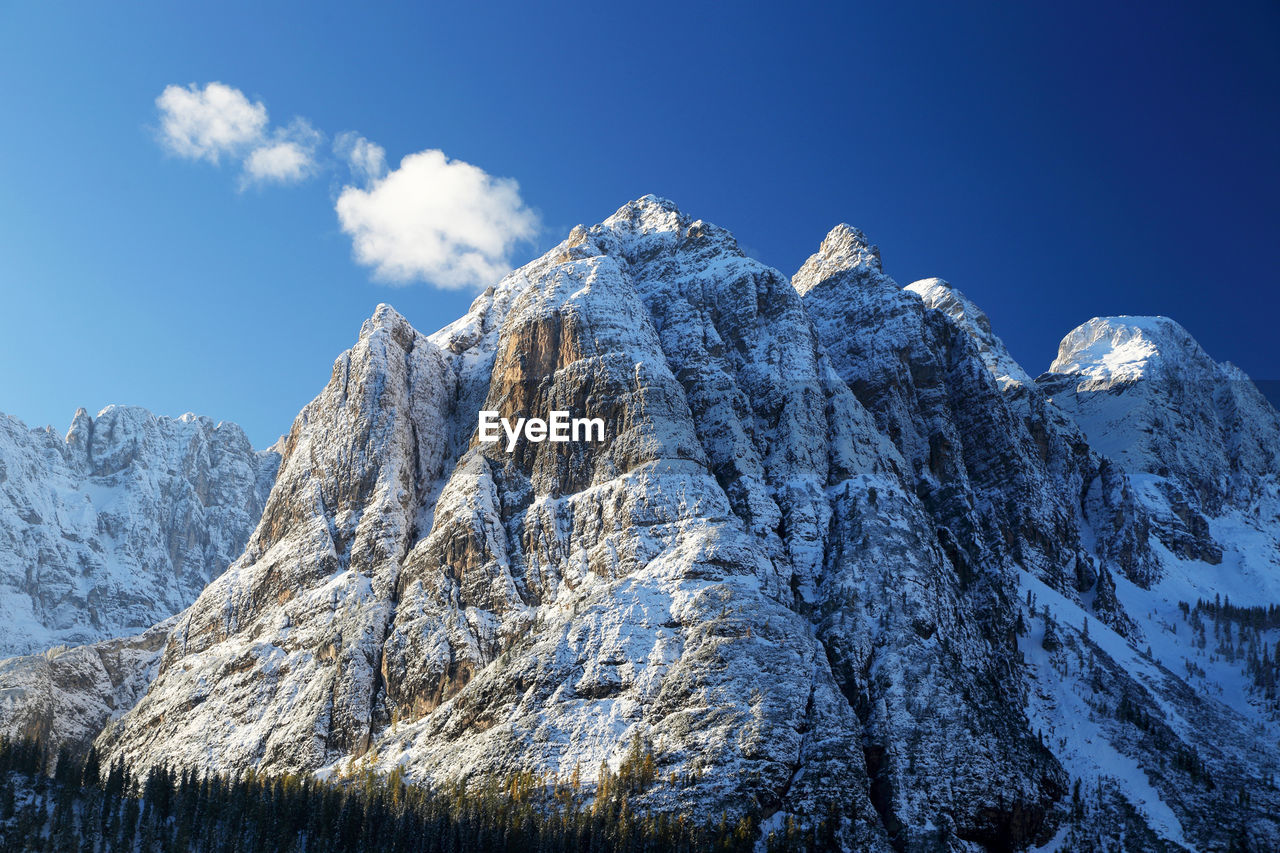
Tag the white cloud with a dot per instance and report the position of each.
(205, 124)
(284, 162)
(367, 160)
(436, 219)
(218, 120)
(288, 158)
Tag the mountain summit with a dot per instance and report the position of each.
(1197, 436)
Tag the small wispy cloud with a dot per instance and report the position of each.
(283, 162)
(367, 160)
(289, 157)
(432, 219)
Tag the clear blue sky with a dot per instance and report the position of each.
(1055, 163)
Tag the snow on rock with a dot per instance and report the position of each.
(121, 523)
(1113, 522)
(277, 664)
(1001, 471)
(940, 295)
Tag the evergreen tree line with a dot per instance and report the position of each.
(61, 803)
(1259, 617)
(1238, 638)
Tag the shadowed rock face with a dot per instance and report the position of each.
(793, 568)
(1006, 475)
(121, 524)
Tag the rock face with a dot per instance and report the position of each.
(809, 568)
(279, 659)
(1007, 478)
(121, 523)
(67, 695)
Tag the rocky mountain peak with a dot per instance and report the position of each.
(387, 319)
(648, 208)
(79, 435)
(791, 572)
(1196, 435)
(643, 229)
(646, 217)
(943, 296)
(845, 248)
(718, 576)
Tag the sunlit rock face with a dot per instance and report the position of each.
(121, 523)
(798, 567)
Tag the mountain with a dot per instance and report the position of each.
(1007, 478)
(1199, 445)
(1019, 496)
(1196, 436)
(119, 524)
(837, 559)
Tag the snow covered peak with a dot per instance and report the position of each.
(646, 216)
(649, 226)
(1110, 350)
(649, 231)
(844, 248)
(846, 241)
(941, 294)
(648, 208)
(389, 319)
(1148, 395)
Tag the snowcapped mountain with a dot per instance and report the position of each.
(837, 556)
(1196, 436)
(121, 523)
(1008, 477)
(1202, 448)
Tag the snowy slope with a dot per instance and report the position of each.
(1202, 448)
(1128, 383)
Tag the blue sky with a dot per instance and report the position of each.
(1055, 163)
